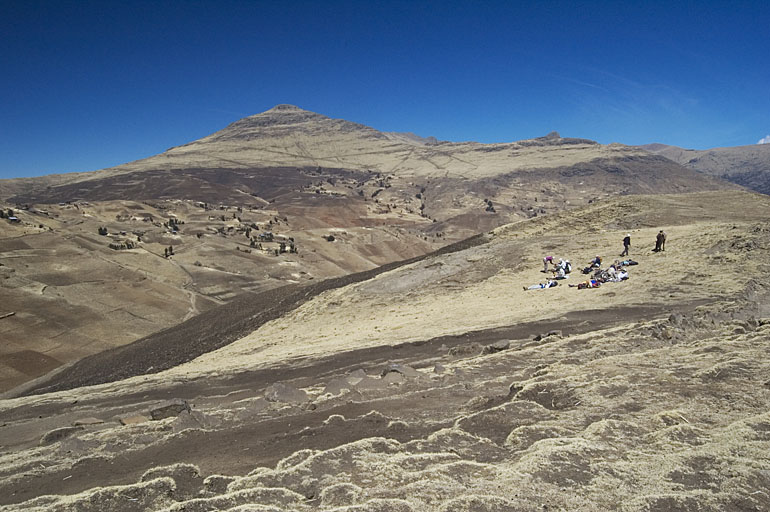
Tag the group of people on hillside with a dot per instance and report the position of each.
(616, 272)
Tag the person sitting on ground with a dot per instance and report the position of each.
(560, 273)
(564, 265)
(593, 264)
(540, 286)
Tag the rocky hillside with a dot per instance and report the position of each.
(443, 385)
(748, 166)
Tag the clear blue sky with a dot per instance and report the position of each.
(86, 85)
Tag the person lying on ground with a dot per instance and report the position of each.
(591, 283)
(540, 286)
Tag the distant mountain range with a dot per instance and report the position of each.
(748, 166)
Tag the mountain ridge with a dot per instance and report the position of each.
(287, 135)
(748, 165)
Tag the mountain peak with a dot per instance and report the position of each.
(285, 114)
(284, 107)
(287, 120)
(280, 116)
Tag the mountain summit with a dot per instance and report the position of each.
(285, 120)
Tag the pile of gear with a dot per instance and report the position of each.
(615, 273)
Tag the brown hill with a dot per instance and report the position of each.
(748, 166)
(70, 291)
(289, 137)
(293, 160)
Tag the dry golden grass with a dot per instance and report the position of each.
(654, 397)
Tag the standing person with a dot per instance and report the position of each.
(663, 240)
(626, 245)
(546, 261)
(658, 241)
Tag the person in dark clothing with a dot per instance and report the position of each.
(659, 241)
(626, 245)
(663, 240)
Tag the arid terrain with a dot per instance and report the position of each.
(442, 385)
(299, 313)
(86, 267)
(72, 293)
